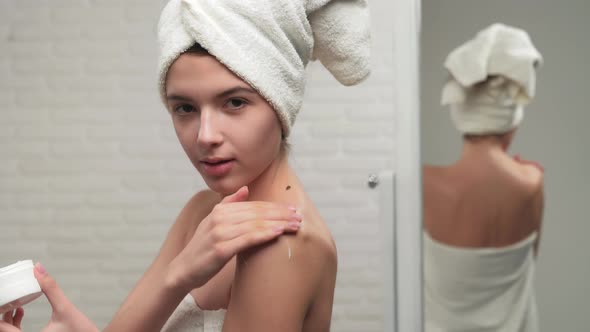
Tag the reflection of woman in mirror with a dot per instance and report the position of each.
(482, 214)
(237, 257)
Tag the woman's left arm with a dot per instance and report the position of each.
(274, 286)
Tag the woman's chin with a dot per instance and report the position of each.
(223, 186)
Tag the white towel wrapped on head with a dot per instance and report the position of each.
(493, 78)
(268, 43)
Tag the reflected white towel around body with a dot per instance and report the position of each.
(479, 289)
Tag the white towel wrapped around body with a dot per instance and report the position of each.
(268, 43)
(493, 78)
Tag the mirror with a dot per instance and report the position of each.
(552, 133)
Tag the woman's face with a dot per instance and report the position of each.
(229, 132)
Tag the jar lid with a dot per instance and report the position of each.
(18, 285)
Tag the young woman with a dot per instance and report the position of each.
(252, 252)
(482, 217)
(482, 214)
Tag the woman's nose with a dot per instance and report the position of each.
(209, 130)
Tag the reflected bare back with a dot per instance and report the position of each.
(483, 200)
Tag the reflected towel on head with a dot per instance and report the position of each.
(492, 79)
(268, 43)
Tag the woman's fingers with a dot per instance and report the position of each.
(239, 196)
(57, 299)
(11, 320)
(18, 317)
(7, 317)
(533, 163)
(538, 165)
(239, 207)
(5, 327)
(230, 232)
(254, 237)
(246, 211)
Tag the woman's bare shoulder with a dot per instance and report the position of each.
(308, 252)
(440, 181)
(276, 283)
(312, 246)
(429, 171)
(196, 209)
(530, 179)
(203, 201)
(318, 236)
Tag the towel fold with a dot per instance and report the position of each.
(268, 43)
(492, 79)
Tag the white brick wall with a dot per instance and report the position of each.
(91, 174)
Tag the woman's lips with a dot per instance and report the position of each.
(217, 168)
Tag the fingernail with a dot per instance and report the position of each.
(292, 208)
(40, 269)
(297, 216)
(295, 225)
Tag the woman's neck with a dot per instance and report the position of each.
(482, 150)
(278, 182)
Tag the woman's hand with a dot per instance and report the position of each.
(529, 162)
(232, 226)
(65, 316)
(11, 320)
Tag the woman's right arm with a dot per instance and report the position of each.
(224, 229)
(535, 181)
(539, 206)
(154, 298)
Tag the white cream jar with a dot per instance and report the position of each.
(18, 285)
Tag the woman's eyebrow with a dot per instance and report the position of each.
(235, 90)
(177, 97)
(223, 94)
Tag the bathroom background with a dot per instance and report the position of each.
(92, 176)
(554, 132)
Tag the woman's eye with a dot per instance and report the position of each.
(236, 103)
(184, 109)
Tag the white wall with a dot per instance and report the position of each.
(91, 174)
(554, 132)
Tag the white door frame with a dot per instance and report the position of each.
(406, 301)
